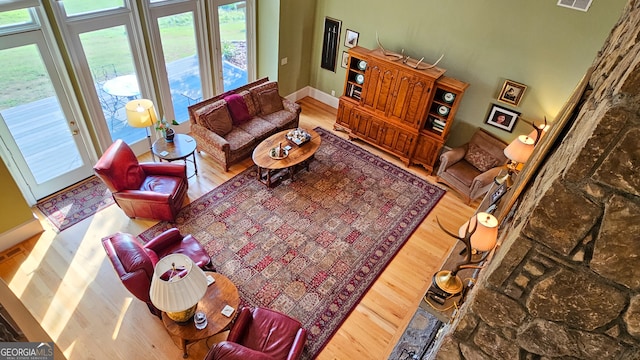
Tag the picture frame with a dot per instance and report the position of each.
(502, 118)
(330, 41)
(351, 38)
(497, 193)
(512, 92)
(345, 59)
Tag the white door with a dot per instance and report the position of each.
(42, 143)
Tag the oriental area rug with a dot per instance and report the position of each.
(76, 203)
(310, 247)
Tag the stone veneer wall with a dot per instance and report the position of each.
(566, 282)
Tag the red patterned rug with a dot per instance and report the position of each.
(77, 203)
(311, 247)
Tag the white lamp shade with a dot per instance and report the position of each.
(520, 149)
(141, 113)
(178, 293)
(486, 234)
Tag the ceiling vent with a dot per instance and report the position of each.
(582, 5)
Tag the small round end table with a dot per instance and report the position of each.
(182, 147)
(222, 292)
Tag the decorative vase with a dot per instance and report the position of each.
(169, 134)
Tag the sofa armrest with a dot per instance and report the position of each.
(451, 157)
(291, 106)
(166, 169)
(210, 137)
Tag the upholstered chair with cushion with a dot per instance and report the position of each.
(470, 169)
(261, 334)
(143, 190)
(134, 263)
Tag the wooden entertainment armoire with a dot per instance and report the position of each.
(402, 110)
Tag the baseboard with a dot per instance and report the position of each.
(20, 233)
(316, 94)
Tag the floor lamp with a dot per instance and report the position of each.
(142, 114)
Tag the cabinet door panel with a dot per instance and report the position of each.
(379, 87)
(375, 131)
(343, 117)
(371, 77)
(410, 99)
(427, 151)
(360, 124)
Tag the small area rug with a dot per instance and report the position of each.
(418, 338)
(76, 203)
(311, 247)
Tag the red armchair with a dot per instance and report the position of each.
(261, 334)
(134, 263)
(144, 190)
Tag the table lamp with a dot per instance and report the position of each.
(518, 152)
(142, 114)
(177, 286)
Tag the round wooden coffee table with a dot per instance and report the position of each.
(222, 292)
(299, 156)
(182, 147)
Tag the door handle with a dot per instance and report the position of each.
(75, 132)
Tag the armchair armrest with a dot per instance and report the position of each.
(291, 106)
(240, 325)
(168, 169)
(298, 345)
(485, 178)
(164, 240)
(141, 195)
(451, 157)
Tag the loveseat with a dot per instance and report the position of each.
(230, 125)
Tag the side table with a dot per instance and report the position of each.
(182, 147)
(222, 292)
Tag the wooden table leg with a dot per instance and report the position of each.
(184, 349)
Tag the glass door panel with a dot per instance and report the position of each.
(232, 27)
(44, 143)
(108, 55)
(178, 38)
(78, 7)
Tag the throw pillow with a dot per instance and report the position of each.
(217, 119)
(270, 101)
(480, 159)
(251, 104)
(238, 109)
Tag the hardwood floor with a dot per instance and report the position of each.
(69, 286)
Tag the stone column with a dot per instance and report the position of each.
(565, 283)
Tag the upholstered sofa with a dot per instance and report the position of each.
(471, 168)
(229, 126)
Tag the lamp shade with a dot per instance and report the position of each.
(177, 284)
(141, 113)
(520, 149)
(486, 234)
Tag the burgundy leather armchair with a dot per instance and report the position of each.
(144, 190)
(261, 334)
(134, 263)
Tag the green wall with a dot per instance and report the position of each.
(536, 43)
(14, 210)
(296, 33)
(267, 28)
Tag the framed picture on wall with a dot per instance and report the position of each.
(351, 38)
(512, 92)
(331, 37)
(345, 59)
(502, 118)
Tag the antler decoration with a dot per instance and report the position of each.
(539, 130)
(407, 60)
(468, 261)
